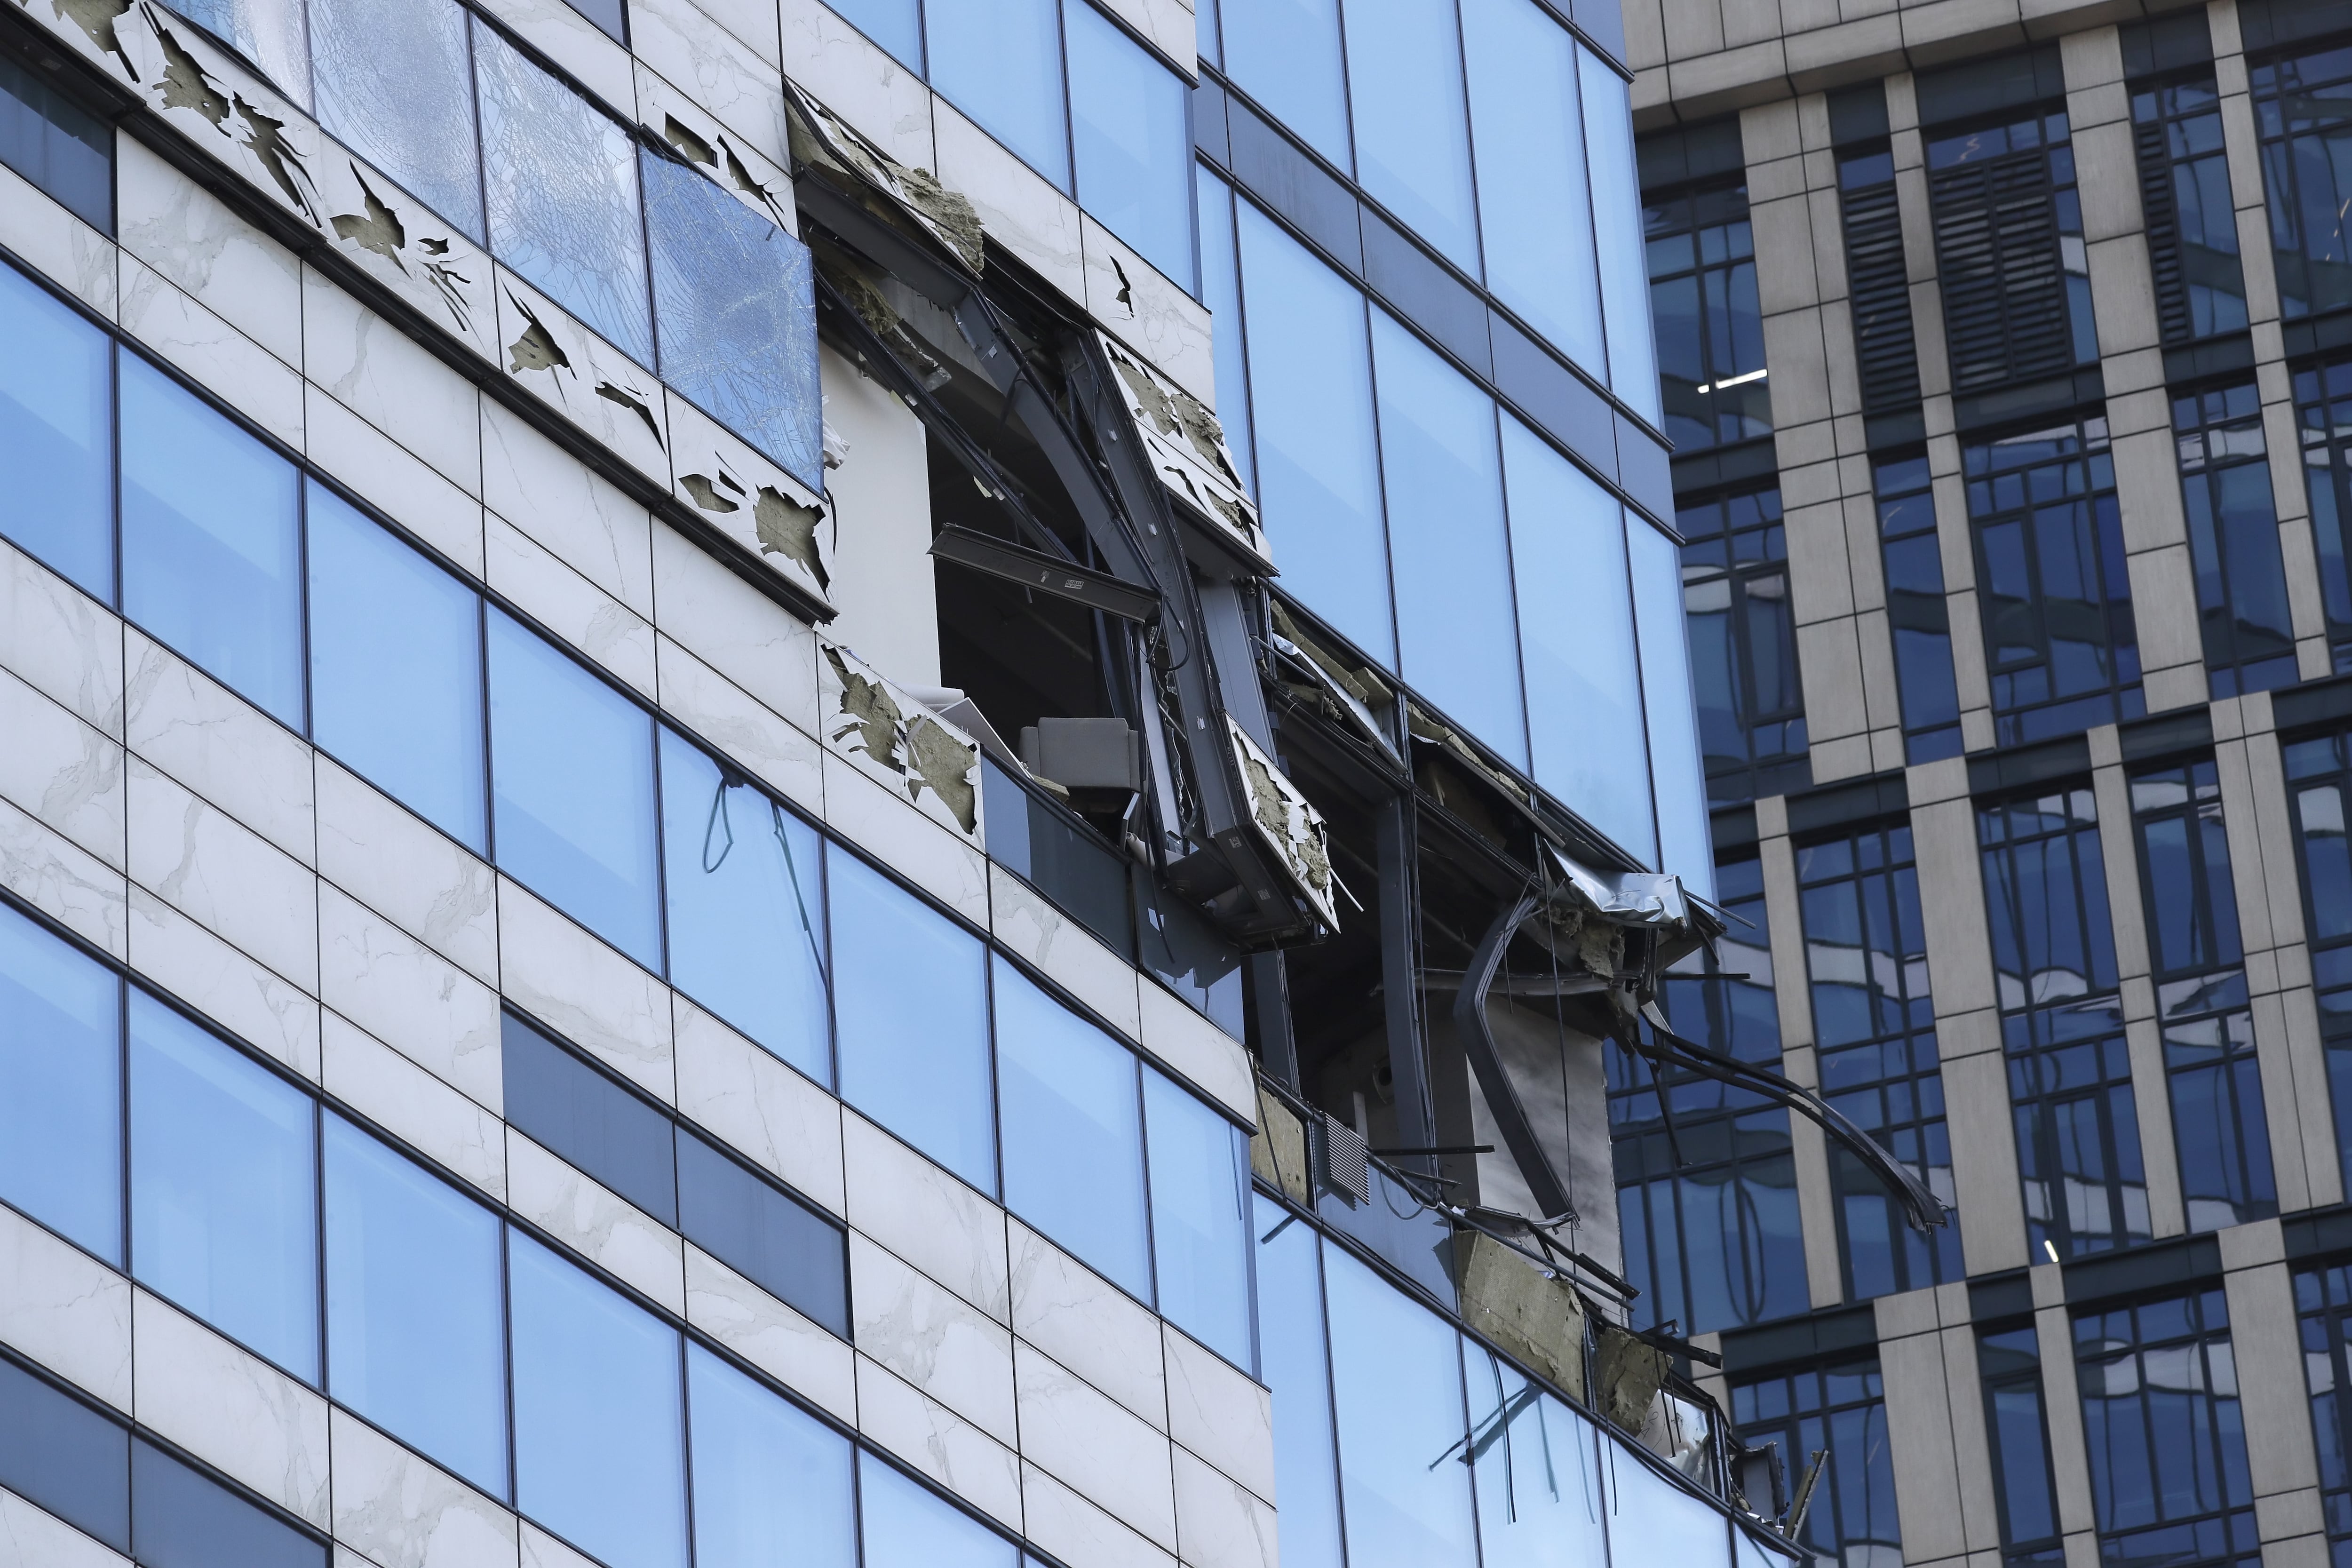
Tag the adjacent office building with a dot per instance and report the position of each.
(916, 784)
(2004, 353)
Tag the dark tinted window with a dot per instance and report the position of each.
(589, 1119)
(58, 144)
(771, 1240)
(65, 1455)
(184, 1519)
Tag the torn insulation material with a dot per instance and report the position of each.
(786, 528)
(1288, 822)
(1188, 454)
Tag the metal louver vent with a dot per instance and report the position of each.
(1343, 1160)
(1998, 258)
(1879, 293)
(2163, 220)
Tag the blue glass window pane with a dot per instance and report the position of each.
(1533, 208)
(61, 1454)
(772, 1486)
(735, 300)
(600, 1452)
(908, 1526)
(1319, 469)
(1453, 555)
(58, 145)
(999, 61)
(1134, 141)
(1538, 1493)
(1616, 219)
(268, 33)
(1651, 1519)
(1397, 1379)
(562, 184)
(211, 541)
(394, 83)
(415, 1326)
(181, 1517)
(778, 1243)
(1576, 637)
(224, 1212)
(1297, 1369)
(60, 1087)
(1413, 136)
(396, 667)
(1221, 290)
(896, 24)
(746, 908)
(1199, 1216)
(1073, 1132)
(911, 1011)
(572, 1109)
(1286, 54)
(572, 762)
(1684, 841)
(56, 436)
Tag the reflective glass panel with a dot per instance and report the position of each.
(896, 24)
(1576, 637)
(1685, 840)
(1412, 138)
(61, 1454)
(1533, 208)
(181, 1517)
(1133, 141)
(1319, 469)
(1199, 1219)
(1538, 1494)
(1453, 558)
(911, 1011)
(1221, 290)
(599, 1449)
(56, 434)
(562, 184)
(1073, 1134)
(395, 84)
(735, 300)
(772, 1486)
(1617, 210)
(1651, 1519)
(60, 1087)
(1297, 1368)
(415, 1330)
(746, 907)
(268, 33)
(999, 61)
(396, 669)
(51, 140)
(1286, 54)
(578, 1112)
(782, 1245)
(212, 550)
(572, 766)
(908, 1526)
(224, 1213)
(1397, 1379)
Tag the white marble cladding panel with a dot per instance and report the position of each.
(413, 1105)
(763, 1109)
(61, 770)
(926, 1216)
(1197, 1050)
(879, 821)
(224, 361)
(79, 258)
(219, 746)
(751, 177)
(1151, 314)
(1027, 923)
(395, 863)
(874, 726)
(579, 515)
(178, 954)
(389, 379)
(61, 641)
(191, 237)
(203, 862)
(733, 627)
(573, 43)
(64, 881)
(1067, 1524)
(724, 73)
(937, 1442)
(933, 1339)
(31, 1537)
(1084, 1440)
(539, 584)
(707, 704)
(597, 1224)
(735, 491)
(65, 1310)
(591, 384)
(1088, 1324)
(1019, 209)
(769, 1334)
(423, 1006)
(1220, 1523)
(1170, 27)
(230, 1408)
(585, 991)
(855, 77)
(407, 249)
(404, 1511)
(540, 1549)
(385, 475)
(1219, 1414)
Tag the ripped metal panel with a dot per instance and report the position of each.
(823, 138)
(879, 728)
(1287, 822)
(594, 386)
(405, 248)
(741, 494)
(396, 83)
(1189, 453)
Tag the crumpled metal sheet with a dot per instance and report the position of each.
(822, 138)
(1628, 897)
(1287, 822)
(1189, 453)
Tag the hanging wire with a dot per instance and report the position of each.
(792, 868)
(722, 820)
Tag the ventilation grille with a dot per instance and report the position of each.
(1879, 291)
(2163, 217)
(2004, 287)
(1343, 1160)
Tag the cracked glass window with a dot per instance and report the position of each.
(268, 33)
(737, 307)
(57, 432)
(559, 182)
(212, 555)
(394, 83)
(746, 907)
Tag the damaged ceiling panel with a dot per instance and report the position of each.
(1189, 452)
(879, 728)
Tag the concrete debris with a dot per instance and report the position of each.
(883, 320)
(1287, 822)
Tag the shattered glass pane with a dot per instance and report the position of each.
(560, 182)
(395, 84)
(737, 307)
(268, 33)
